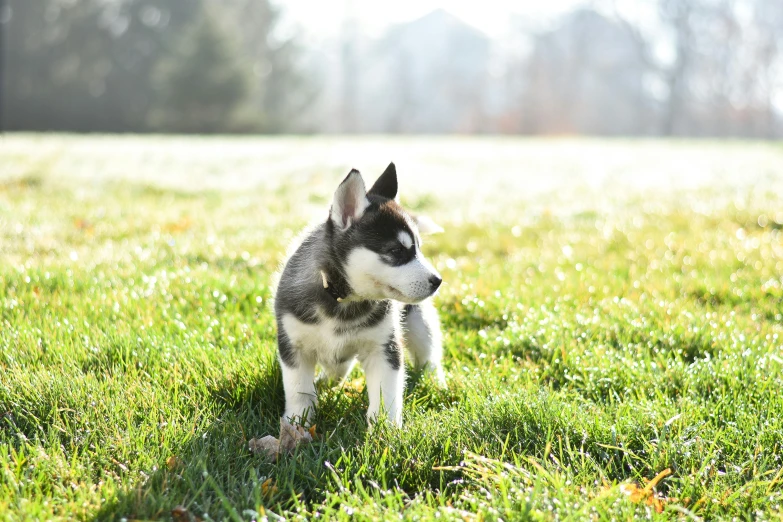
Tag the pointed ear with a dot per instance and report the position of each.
(426, 225)
(386, 184)
(350, 201)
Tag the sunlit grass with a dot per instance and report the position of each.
(611, 310)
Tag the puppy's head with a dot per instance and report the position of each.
(377, 243)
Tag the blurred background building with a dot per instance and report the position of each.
(602, 67)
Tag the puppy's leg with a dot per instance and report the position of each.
(423, 338)
(385, 374)
(300, 398)
(298, 381)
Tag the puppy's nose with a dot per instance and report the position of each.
(435, 282)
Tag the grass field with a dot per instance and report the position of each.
(612, 310)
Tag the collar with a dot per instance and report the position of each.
(337, 294)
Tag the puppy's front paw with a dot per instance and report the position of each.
(393, 418)
(302, 417)
(437, 374)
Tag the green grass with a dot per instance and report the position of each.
(612, 309)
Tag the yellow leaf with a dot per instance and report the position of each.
(268, 488)
(172, 463)
(656, 502)
(178, 226)
(660, 476)
(636, 494)
(180, 514)
(633, 492)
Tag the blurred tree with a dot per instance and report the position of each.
(429, 75)
(282, 87)
(723, 71)
(583, 77)
(201, 84)
(43, 73)
(85, 65)
(138, 65)
(674, 67)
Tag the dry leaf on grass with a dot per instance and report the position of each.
(178, 226)
(268, 488)
(290, 437)
(646, 494)
(636, 495)
(173, 463)
(268, 445)
(181, 514)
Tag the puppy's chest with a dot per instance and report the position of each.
(332, 340)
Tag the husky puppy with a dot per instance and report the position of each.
(356, 288)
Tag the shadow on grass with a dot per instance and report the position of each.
(214, 460)
(215, 473)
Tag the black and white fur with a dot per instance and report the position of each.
(357, 288)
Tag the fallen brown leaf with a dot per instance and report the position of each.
(660, 476)
(268, 445)
(646, 494)
(290, 437)
(178, 226)
(657, 503)
(173, 463)
(268, 487)
(85, 226)
(180, 514)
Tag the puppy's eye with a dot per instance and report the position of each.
(397, 250)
